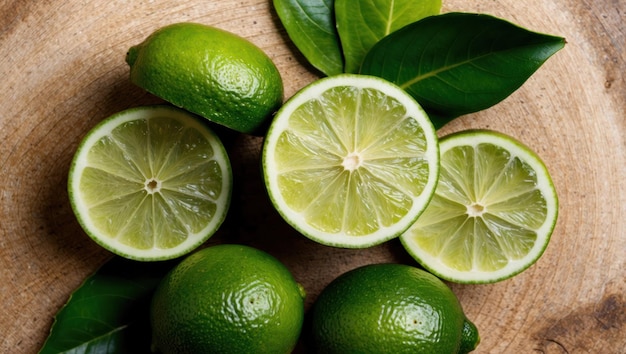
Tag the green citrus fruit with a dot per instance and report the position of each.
(351, 161)
(493, 212)
(390, 308)
(210, 72)
(150, 183)
(227, 299)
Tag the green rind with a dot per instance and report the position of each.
(470, 338)
(227, 298)
(211, 72)
(387, 308)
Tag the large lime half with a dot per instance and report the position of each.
(351, 161)
(211, 72)
(493, 212)
(150, 183)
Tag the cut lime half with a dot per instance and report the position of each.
(150, 183)
(351, 161)
(493, 212)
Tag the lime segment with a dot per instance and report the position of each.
(150, 183)
(493, 212)
(351, 161)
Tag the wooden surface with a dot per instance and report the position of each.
(62, 70)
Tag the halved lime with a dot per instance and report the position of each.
(150, 183)
(211, 72)
(493, 212)
(351, 161)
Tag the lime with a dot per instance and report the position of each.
(390, 308)
(493, 212)
(150, 183)
(351, 161)
(227, 299)
(210, 72)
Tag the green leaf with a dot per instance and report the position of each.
(311, 26)
(109, 312)
(459, 63)
(361, 24)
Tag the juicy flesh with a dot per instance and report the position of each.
(351, 161)
(151, 183)
(485, 211)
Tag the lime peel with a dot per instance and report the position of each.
(390, 308)
(211, 72)
(227, 298)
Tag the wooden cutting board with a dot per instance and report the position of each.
(62, 70)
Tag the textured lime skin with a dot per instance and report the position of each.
(390, 308)
(227, 299)
(210, 72)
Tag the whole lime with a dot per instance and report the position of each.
(211, 72)
(390, 308)
(351, 161)
(227, 299)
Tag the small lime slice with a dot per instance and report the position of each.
(493, 212)
(351, 161)
(150, 183)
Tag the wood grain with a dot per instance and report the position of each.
(62, 68)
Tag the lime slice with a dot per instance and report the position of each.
(492, 214)
(150, 183)
(351, 161)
